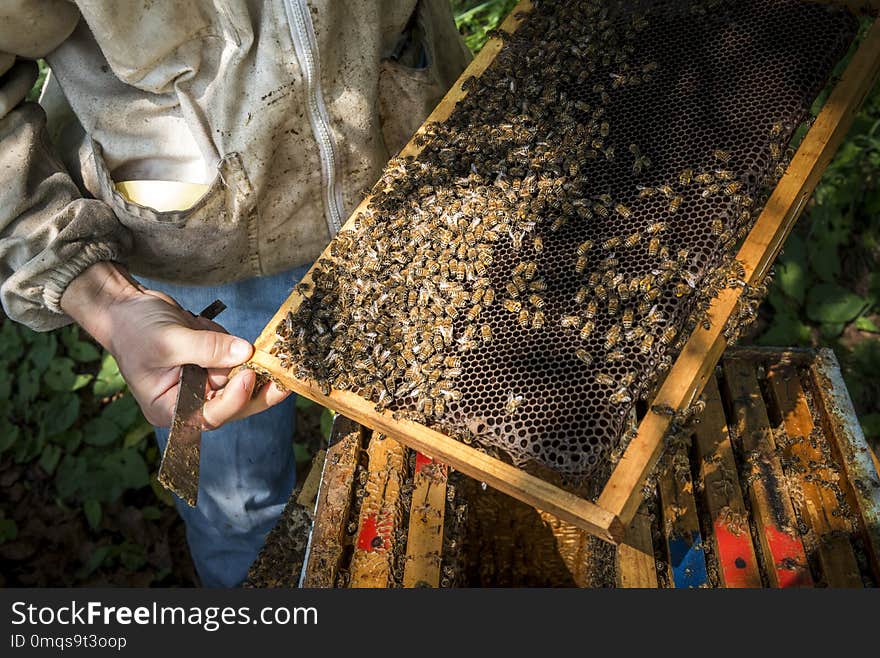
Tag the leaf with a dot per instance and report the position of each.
(128, 469)
(151, 513)
(792, 278)
(8, 435)
(27, 381)
(61, 413)
(867, 324)
(43, 349)
(50, 458)
(137, 434)
(71, 474)
(96, 559)
(326, 423)
(871, 425)
(68, 441)
(8, 530)
(92, 510)
(109, 380)
(831, 303)
(122, 412)
(101, 432)
(786, 330)
(84, 352)
(831, 330)
(59, 375)
(81, 381)
(11, 345)
(303, 403)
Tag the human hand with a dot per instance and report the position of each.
(151, 337)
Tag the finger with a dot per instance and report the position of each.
(204, 323)
(234, 397)
(209, 349)
(268, 396)
(218, 377)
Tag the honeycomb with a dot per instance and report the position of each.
(639, 137)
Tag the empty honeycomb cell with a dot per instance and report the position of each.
(583, 129)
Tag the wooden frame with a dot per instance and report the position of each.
(616, 507)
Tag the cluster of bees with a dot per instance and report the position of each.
(413, 287)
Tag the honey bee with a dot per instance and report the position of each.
(654, 247)
(600, 210)
(623, 211)
(523, 319)
(558, 223)
(646, 192)
(511, 289)
(704, 178)
(775, 150)
(717, 227)
(570, 322)
(486, 333)
(721, 155)
(587, 329)
(776, 130)
(584, 247)
(536, 300)
(656, 227)
(613, 304)
(580, 265)
(732, 187)
(647, 343)
(674, 204)
(538, 285)
(632, 240)
(666, 191)
(488, 296)
(513, 403)
(612, 242)
(591, 310)
(538, 244)
(667, 336)
(600, 292)
(709, 190)
(604, 129)
(686, 177)
(681, 289)
(604, 379)
(615, 356)
(512, 305)
(620, 396)
(583, 356)
(612, 337)
(474, 312)
(627, 319)
(538, 320)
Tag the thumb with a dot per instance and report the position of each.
(208, 349)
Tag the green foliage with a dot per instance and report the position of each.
(476, 18)
(827, 285)
(87, 440)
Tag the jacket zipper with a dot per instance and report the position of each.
(302, 33)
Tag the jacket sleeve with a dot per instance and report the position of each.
(49, 233)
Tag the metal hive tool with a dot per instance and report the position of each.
(703, 88)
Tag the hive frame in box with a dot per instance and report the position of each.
(618, 502)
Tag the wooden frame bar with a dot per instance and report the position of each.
(424, 542)
(609, 517)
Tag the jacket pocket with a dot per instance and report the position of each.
(211, 242)
(409, 85)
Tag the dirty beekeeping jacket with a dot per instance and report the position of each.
(284, 111)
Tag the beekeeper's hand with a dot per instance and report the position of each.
(151, 337)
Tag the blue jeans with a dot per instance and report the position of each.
(248, 469)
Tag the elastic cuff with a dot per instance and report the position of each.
(59, 278)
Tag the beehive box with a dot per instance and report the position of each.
(611, 178)
(774, 487)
